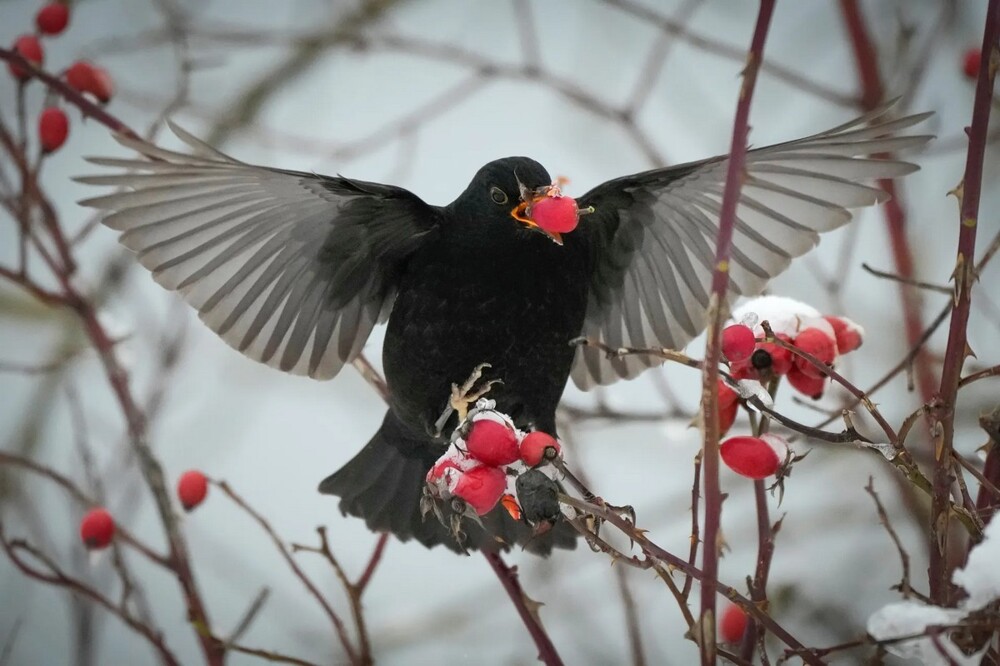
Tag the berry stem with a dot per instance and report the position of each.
(710, 377)
(943, 407)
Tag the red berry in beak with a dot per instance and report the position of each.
(732, 624)
(97, 529)
(52, 18)
(819, 344)
(535, 448)
(812, 387)
(491, 443)
(754, 457)
(192, 488)
(556, 214)
(481, 487)
(738, 342)
(53, 128)
(29, 48)
(849, 335)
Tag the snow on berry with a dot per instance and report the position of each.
(732, 623)
(492, 443)
(192, 488)
(53, 18)
(80, 76)
(738, 342)
(849, 335)
(53, 128)
(818, 343)
(97, 528)
(537, 447)
(481, 487)
(784, 315)
(807, 385)
(754, 457)
(556, 214)
(971, 62)
(29, 48)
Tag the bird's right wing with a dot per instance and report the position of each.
(292, 269)
(652, 236)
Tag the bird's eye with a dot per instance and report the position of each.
(498, 195)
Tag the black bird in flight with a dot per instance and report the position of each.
(294, 270)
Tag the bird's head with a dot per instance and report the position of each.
(519, 189)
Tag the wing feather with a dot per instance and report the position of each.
(653, 235)
(290, 268)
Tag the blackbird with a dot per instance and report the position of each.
(294, 269)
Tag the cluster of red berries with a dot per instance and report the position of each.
(97, 528)
(481, 463)
(84, 77)
(750, 356)
(826, 338)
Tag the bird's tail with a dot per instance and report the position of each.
(383, 485)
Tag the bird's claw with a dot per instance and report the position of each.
(463, 396)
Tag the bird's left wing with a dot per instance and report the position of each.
(652, 236)
(292, 269)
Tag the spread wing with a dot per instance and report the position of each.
(292, 269)
(653, 234)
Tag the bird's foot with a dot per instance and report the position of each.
(463, 396)
(625, 512)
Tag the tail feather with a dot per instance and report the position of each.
(383, 484)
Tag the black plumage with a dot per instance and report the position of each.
(295, 269)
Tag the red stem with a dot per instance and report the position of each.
(873, 94)
(710, 377)
(943, 408)
(508, 577)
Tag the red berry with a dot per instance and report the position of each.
(971, 62)
(738, 342)
(491, 443)
(752, 457)
(558, 214)
(849, 335)
(52, 18)
(819, 344)
(53, 128)
(743, 371)
(778, 358)
(727, 416)
(192, 488)
(80, 76)
(537, 447)
(482, 487)
(97, 528)
(727, 396)
(811, 387)
(732, 624)
(30, 49)
(103, 87)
